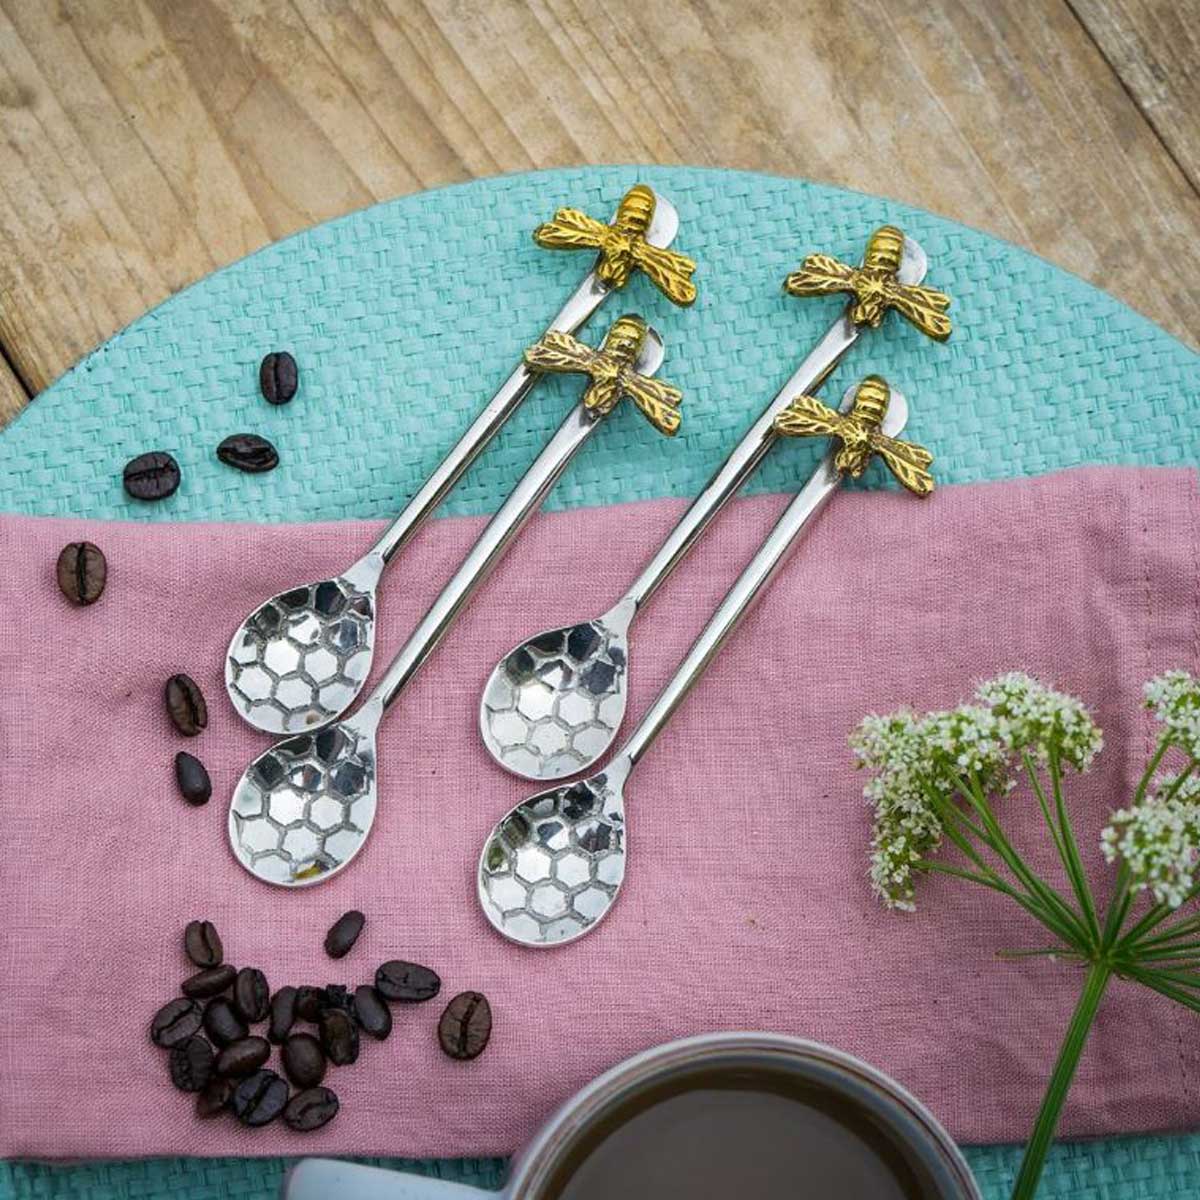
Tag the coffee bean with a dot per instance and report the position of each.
(408, 983)
(243, 1056)
(215, 1098)
(248, 452)
(186, 705)
(337, 995)
(259, 1098)
(153, 476)
(303, 1060)
(371, 1012)
(82, 572)
(190, 774)
(283, 1013)
(466, 1025)
(343, 933)
(278, 377)
(175, 1022)
(191, 1064)
(202, 944)
(310, 1109)
(209, 982)
(310, 1001)
(222, 1022)
(251, 995)
(339, 1037)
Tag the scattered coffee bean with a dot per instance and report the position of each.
(222, 1022)
(190, 774)
(186, 705)
(212, 981)
(309, 1003)
(243, 1056)
(278, 377)
(191, 1064)
(283, 1013)
(248, 452)
(82, 572)
(153, 476)
(310, 1109)
(175, 1022)
(466, 1025)
(371, 1012)
(202, 944)
(337, 995)
(339, 1037)
(260, 1098)
(408, 983)
(251, 995)
(343, 933)
(303, 1060)
(215, 1098)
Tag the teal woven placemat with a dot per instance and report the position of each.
(404, 317)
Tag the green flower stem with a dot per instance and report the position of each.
(1072, 860)
(1038, 1146)
(1165, 987)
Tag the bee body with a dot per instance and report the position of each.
(884, 250)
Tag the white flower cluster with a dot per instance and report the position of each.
(919, 761)
(1174, 699)
(1158, 839)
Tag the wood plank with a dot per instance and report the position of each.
(1154, 46)
(13, 396)
(149, 141)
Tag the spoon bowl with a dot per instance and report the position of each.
(552, 866)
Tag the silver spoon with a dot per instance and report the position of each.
(303, 809)
(552, 706)
(301, 658)
(551, 869)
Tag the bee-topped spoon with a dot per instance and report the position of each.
(303, 809)
(552, 867)
(300, 659)
(552, 706)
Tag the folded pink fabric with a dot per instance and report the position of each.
(746, 903)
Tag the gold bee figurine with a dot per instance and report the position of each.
(611, 371)
(860, 435)
(623, 245)
(874, 286)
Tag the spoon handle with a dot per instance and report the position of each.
(588, 297)
(523, 501)
(737, 603)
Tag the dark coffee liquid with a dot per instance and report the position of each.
(738, 1136)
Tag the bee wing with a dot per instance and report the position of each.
(907, 461)
(659, 402)
(668, 270)
(806, 416)
(556, 351)
(570, 229)
(819, 275)
(924, 307)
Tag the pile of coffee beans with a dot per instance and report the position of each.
(213, 1053)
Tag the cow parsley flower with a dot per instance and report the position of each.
(1035, 719)
(1174, 698)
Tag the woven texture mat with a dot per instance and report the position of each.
(403, 318)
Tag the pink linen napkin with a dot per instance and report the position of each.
(746, 902)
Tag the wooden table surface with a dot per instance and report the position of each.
(147, 142)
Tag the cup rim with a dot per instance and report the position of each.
(532, 1169)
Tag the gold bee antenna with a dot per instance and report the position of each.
(875, 286)
(611, 370)
(623, 245)
(860, 431)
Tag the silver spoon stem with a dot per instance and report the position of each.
(737, 603)
(523, 501)
(588, 297)
(737, 468)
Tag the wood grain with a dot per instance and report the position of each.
(147, 142)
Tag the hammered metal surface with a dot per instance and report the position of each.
(552, 867)
(303, 809)
(554, 704)
(301, 659)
